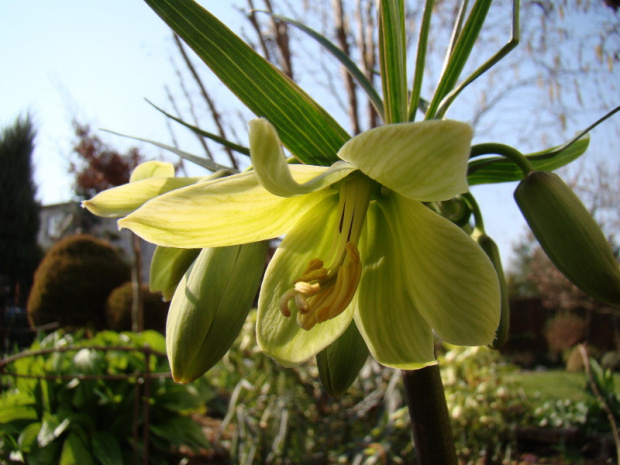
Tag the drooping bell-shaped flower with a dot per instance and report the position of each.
(359, 243)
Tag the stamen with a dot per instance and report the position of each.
(322, 293)
(336, 296)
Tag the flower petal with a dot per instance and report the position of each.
(394, 331)
(450, 279)
(152, 169)
(274, 172)
(227, 211)
(122, 200)
(280, 336)
(425, 161)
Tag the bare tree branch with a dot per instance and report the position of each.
(203, 91)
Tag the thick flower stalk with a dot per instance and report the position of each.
(359, 244)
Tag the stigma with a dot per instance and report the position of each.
(322, 292)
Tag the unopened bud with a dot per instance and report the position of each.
(210, 306)
(341, 361)
(569, 235)
(490, 248)
(168, 266)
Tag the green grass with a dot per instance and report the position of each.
(556, 384)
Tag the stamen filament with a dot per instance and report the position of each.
(322, 293)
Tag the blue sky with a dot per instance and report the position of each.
(94, 60)
(97, 60)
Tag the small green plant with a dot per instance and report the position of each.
(73, 281)
(88, 401)
(484, 404)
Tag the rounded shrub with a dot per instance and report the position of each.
(72, 283)
(118, 309)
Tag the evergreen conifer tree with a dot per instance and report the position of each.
(19, 213)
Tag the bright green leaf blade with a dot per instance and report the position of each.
(393, 58)
(27, 439)
(200, 161)
(344, 60)
(75, 450)
(460, 54)
(420, 60)
(305, 128)
(16, 407)
(499, 169)
(202, 132)
(496, 58)
(106, 448)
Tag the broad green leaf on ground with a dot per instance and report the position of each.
(305, 128)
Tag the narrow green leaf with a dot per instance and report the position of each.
(305, 128)
(420, 61)
(342, 57)
(200, 161)
(201, 132)
(18, 406)
(393, 58)
(460, 54)
(75, 451)
(106, 448)
(505, 50)
(499, 169)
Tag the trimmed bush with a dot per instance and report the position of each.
(118, 309)
(72, 283)
(563, 331)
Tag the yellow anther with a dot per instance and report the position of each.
(307, 288)
(328, 300)
(322, 293)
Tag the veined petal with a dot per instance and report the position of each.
(425, 161)
(394, 331)
(274, 172)
(450, 279)
(152, 169)
(280, 336)
(227, 211)
(122, 200)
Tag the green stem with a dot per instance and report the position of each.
(506, 151)
(430, 421)
(475, 209)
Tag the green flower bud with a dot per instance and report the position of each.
(341, 361)
(168, 266)
(490, 248)
(569, 235)
(210, 306)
